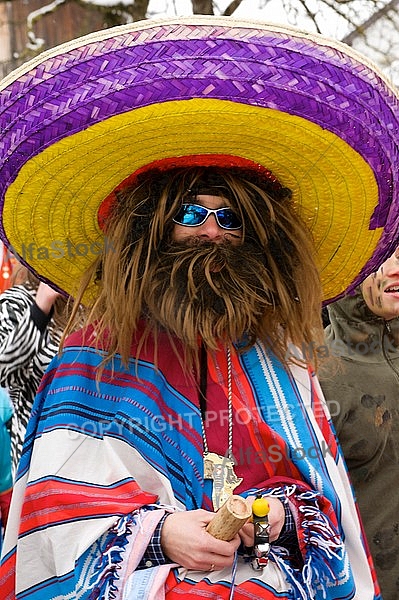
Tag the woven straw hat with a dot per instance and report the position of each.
(78, 120)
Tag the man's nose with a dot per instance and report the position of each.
(391, 266)
(210, 229)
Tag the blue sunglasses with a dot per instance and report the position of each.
(193, 215)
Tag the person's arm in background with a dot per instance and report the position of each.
(23, 330)
(45, 298)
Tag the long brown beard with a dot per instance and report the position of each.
(215, 292)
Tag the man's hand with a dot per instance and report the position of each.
(185, 542)
(276, 518)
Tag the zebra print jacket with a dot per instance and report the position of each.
(28, 342)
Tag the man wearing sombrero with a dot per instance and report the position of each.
(183, 168)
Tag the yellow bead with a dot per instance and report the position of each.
(260, 507)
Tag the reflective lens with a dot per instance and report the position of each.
(193, 215)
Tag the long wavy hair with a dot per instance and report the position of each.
(138, 229)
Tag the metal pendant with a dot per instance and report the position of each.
(221, 470)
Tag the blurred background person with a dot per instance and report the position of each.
(6, 411)
(32, 319)
(363, 393)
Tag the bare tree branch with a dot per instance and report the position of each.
(392, 5)
(202, 7)
(231, 8)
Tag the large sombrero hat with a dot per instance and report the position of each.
(80, 119)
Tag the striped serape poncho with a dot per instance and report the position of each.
(103, 460)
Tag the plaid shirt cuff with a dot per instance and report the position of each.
(154, 555)
(289, 524)
(288, 537)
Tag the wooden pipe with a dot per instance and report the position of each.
(229, 519)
